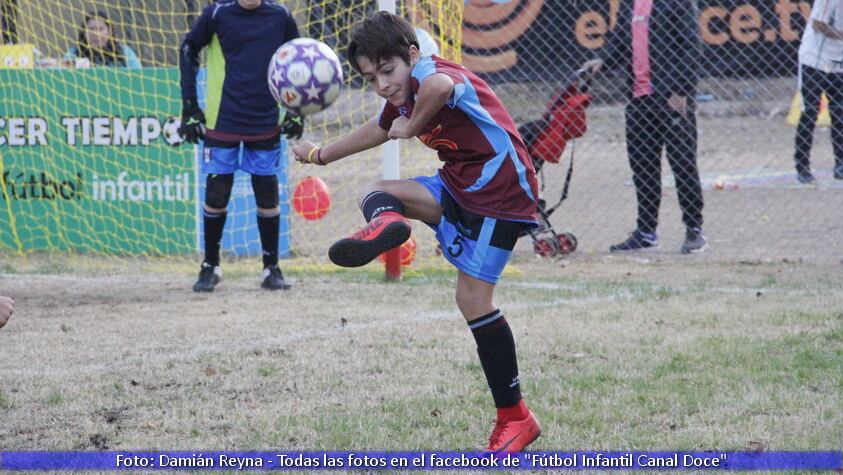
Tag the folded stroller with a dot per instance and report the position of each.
(546, 138)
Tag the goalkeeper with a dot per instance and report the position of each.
(478, 203)
(241, 37)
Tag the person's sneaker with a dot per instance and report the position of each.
(637, 241)
(386, 231)
(838, 172)
(695, 241)
(209, 277)
(273, 279)
(805, 177)
(514, 436)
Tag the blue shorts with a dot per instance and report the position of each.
(478, 245)
(262, 158)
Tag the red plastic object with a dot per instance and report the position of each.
(311, 198)
(406, 253)
(564, 120)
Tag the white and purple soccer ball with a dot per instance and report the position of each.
(305, 75)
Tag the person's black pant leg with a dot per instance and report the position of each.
(834, 90)
(811, 89)
(681, 151)
(644, 147)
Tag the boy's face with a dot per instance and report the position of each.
(391, 77)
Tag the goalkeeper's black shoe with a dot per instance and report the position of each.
(273, 279)
(209, 276)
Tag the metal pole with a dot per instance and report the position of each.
(390, 153)
(390, 150)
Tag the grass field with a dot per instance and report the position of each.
(615, 353)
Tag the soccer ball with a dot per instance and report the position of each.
(170, 131)
(304, 75)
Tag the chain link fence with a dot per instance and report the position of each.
(748, 200)
(96, 176)
(753, 206)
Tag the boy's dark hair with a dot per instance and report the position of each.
(111, 55)
(381, 36)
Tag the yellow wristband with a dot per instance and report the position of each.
(310, 154)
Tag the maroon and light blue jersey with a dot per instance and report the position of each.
(487, 168)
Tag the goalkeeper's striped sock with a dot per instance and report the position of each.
(496, 348)
(268, 229)
(214, 224)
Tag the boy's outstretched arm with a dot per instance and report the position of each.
(369, 135)
(433, 95)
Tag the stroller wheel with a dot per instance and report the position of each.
(567, 243)
(546, 247)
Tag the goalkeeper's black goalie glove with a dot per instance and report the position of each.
(293, 125)
(192, 127)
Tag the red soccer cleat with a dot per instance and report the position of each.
(386, 231)
(514, 436)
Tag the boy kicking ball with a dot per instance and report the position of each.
(478, 203)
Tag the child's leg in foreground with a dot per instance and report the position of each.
(515, 427)
(386, 205)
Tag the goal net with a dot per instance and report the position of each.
(89, 159)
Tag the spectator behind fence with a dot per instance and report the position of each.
(98, 44)
(657, 45)
(7, 308)
(820, 70)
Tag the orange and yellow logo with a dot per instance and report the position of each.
(431, 141)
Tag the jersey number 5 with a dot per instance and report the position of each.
(456, 247)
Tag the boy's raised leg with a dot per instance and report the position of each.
(387, 229)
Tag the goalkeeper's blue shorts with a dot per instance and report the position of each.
(478, 245)
(257, 159)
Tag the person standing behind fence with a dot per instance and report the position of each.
(97, 44)
(657, 45)
(820, 70)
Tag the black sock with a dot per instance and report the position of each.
(496, 349)
(214, 224)
(378, 202)
(268, 228)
